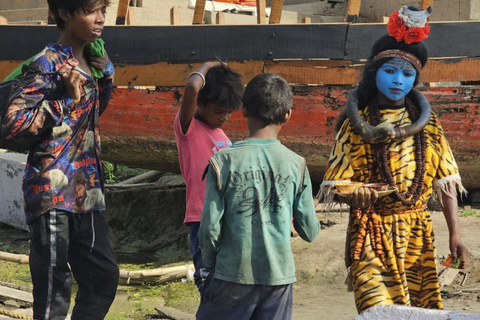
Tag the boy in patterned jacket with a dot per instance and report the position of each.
(58, 114)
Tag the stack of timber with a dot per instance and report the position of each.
(322, 62)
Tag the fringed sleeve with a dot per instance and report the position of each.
(339, 168)
(447, 179)
(450, 185)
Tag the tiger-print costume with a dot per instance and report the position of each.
(392, 259)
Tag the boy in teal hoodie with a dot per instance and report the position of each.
(254, 190)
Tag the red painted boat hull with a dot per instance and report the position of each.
(137, 128)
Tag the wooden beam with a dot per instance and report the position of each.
(122, 12)
(425, 4)
(307, 20)
(220, 18)
(276, 12)
(353, 10)
(261, 4)
(199, 13)
(316, 72)
(3, 20)
(131, 17)
(174, 16)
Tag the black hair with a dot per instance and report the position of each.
(223, 87)
(268, 97)
(71, 6)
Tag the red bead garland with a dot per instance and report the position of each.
(382, 157)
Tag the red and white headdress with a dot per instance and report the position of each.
(409, 26)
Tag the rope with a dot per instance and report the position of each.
(13, 314)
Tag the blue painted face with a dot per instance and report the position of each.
(395, 79)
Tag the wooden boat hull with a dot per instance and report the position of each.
(137, 128)
(321, 61)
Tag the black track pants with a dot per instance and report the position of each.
(82, 241)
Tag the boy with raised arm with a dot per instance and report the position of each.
(254, 189)
(211, 94)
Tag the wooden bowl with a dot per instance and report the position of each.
(347, 187)
(377, 186)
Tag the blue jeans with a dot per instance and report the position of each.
(199, 274)
(234, 301)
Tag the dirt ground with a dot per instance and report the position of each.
(320, 292)
(320, 268)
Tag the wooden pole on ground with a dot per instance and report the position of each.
(276, 12)
(122, 12)
(425, 4)
(13, 257)
(261, 4)
(174, 16)
(199, 13)
(353, 10)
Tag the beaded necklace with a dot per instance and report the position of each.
(381, 156)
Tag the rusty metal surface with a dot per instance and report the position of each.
(137, 128)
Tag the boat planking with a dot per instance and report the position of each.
(322, 62)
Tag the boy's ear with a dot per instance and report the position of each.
(64, 15)
(287, 116)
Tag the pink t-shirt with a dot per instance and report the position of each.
(195, 148)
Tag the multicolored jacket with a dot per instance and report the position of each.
(63, 168)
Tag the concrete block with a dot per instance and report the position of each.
(22, 4)
(411, 313)
(25, 14)
(12, 167)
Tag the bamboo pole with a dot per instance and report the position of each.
(199, 12)
(276, 12)
(261, 4)
(13, 257)
(158, 275)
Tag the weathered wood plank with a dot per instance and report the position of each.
(199, 12)
(150, 44)
(261, 19)
(314, 72)
(24, 297)
(276, 12)
(174, 16)
(424, 4)
(122, 11)
(353, 10)
(220, 18)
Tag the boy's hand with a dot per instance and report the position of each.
(99, 63)
(72, 80)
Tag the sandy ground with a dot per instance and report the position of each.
(321, 271)
(320, 292)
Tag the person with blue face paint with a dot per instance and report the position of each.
(394, 80)
(389, 136)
